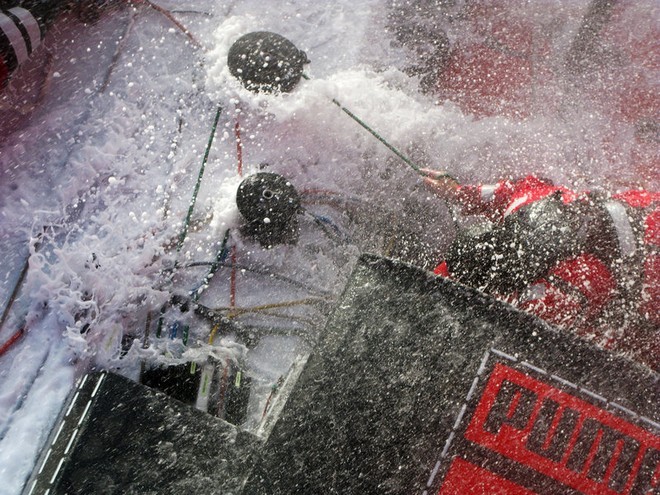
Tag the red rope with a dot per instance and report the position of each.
(270, 396)
(239, 160)
(169, 15)
(11, 341)
(239, 147)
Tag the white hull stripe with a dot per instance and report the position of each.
(15, 38)
(31, 26)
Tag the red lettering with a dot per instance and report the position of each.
(465, 478)
(566, 438)
(513, 407)
(552, 430)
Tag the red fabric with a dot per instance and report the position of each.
(591, 284)
(465, 478)
(506, 66)
(509, 196)
(590, 276)
(577, 290)
(551, 304)
(630, 89)
(507, 62)
(638, 198)
(484, 81)
(442, 269)
(652, 228)
(495, 72)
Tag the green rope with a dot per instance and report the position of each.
(186, 223)
(215, 265)
(380, 138)
(15, 291)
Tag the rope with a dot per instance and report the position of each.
(241, 329)
(286, 316)
(118, 51)
(323, 223)
(214, 266)
(15, 291)
(380, 138)
(214, 331)
(179, 26)
(239, 147)
(11, 341)
(265, 273)
(186, 224)
(234, 254)
(264, 310)
(232, 312)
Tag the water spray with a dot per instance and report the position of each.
(268, 62)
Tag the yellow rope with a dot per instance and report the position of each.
(214, 330)
(263, 309)
(233, 312)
